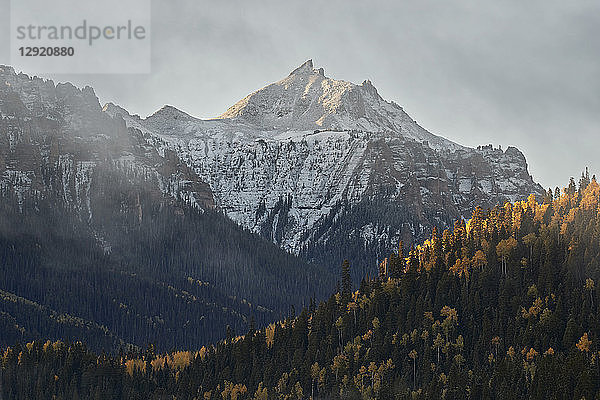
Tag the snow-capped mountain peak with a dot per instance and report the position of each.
(306, 68)
(309, 159)
(307, 100)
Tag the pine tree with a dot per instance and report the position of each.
(346, 282)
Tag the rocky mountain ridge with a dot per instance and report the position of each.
(296, 160)
(63, 129)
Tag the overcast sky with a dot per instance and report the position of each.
(516, 73)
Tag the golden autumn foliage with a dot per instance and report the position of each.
(511, 352)
(175, 361)
(233, 391)
(511, 218)
(531, 354)
(584, 343)
(135, 365)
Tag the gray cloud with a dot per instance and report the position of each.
(510, 73)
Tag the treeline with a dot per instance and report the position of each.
(505, 306)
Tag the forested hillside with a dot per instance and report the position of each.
(169, 274)
(107, 240)
(504, 306)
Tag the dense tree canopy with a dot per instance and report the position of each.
(503, 306)
(145, 269)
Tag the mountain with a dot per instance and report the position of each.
(96, 200)
(105, 239)
(328, 169)
(307, 100)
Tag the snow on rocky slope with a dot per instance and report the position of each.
(54, 139)
(298, 159)
(308, 100)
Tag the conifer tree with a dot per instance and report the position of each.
(346, 282)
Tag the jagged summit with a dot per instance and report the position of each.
(307, 68)
(308, 100)
(168, 111)
(113, 109)
(304, 101)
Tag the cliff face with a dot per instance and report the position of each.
(56, 138)
(310, 161)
